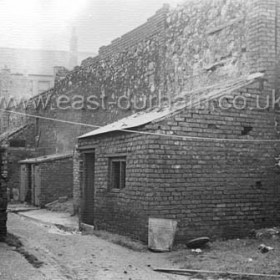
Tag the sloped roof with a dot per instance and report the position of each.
(134, 120)
(188, 99)
(47, 158)
(9, 133)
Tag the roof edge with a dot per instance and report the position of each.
(46, 158)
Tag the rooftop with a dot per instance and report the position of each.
(184, 100)
(47, 158)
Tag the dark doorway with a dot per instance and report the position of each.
(88, 188)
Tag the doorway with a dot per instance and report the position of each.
(36, 184)
(87, 216)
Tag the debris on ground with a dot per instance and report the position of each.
(267, 233)
(63, 204)
(198, 242)
(220, 273)
(239, 255)
(62, 199)
(198, 251)
(264, 249)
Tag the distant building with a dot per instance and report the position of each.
(28, 72)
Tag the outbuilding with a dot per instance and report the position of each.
(212, 170)
(46, 178)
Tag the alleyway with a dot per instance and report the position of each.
(80, 257)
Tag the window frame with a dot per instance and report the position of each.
(121, 160)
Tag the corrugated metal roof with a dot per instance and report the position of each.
(134, 120)
(194, 98)
(46, 158)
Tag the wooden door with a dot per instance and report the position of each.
(36, 185)
(23, 182)
(88, 189)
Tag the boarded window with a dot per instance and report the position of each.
(117, 172)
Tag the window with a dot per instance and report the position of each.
(117, 169)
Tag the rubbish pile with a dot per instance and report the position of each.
(264, 249)
(267, 233)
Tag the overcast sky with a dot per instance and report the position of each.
(47, 24)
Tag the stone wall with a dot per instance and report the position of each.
(192, 46)
(101, 90)
(206, 42)
(213, 187)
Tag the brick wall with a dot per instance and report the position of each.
(56, 179)
(216, 188)
(128, 68)
(13, 179)
(3, 193)
(124, 211)
(77, 181)
(153, 26)
(15, 154)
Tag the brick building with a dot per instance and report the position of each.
(29, 72)
(198, 167)
(18, 143)
(45, 179)
(211, 168)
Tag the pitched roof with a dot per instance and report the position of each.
(184, 100)
(47, 158)
(9, 133)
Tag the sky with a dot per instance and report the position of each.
(47, 24)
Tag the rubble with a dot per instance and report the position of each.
(265, 249)
(267, 233)
(198, 242)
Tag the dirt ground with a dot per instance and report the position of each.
(79, 257)
(238, 255)
(55, 254)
